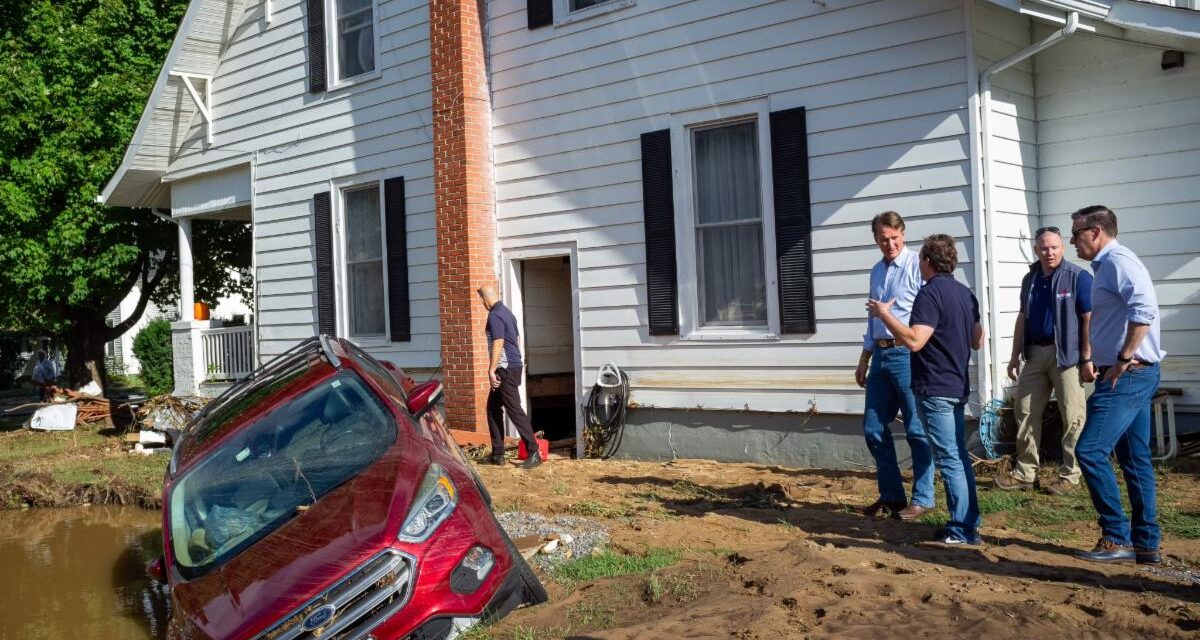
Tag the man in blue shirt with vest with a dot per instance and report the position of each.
(1051, 335)
(943, 330)
(504, 373)
(1126, 349)
(888, 383)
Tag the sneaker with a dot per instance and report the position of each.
(1059, 486)
(944, 537)
(1108, 551)
(1009, 482)
(532, 461)
(1148, 556)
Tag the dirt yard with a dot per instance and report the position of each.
(767, 552)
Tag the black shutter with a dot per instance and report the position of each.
(539, 12)
(323, 228)
(793, 220)
(397, 260)
(658, 202)
(316, 46)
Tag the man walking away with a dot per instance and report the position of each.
(897, 276)
(1126, 348)
(504, 371)
(943, 330)
(1052, 335)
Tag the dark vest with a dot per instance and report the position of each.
(1066, 321)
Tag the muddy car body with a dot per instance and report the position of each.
(323, 497)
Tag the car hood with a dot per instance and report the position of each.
(294, 563)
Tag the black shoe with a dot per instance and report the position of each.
(496, 459)
(1148, 556)
(1108, 551)
(533, 460)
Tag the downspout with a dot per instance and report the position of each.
(984, 218)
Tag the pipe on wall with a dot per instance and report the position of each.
(984, 217)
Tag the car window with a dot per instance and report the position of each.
(378, 373)
(273, 468)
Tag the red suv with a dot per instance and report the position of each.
(323, 497)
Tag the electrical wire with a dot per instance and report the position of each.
(605, 411)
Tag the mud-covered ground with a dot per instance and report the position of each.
(768, 552)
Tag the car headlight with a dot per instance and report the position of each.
(435, 501)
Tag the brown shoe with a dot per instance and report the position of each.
(1060, 486)
(882, 507)
(1009, 482)
(912, 512)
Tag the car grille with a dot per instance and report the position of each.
(358, 603)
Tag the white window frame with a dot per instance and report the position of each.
(563, 14)
(341, 269)
(333, 72)
(755, 110)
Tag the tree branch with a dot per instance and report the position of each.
(138, 270)
(148, 287)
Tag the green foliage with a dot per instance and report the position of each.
(152, 346)
(74, 79)
(609, 564)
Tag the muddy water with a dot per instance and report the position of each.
(78, 574)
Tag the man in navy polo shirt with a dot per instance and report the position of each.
(504, 372)
(943, 329)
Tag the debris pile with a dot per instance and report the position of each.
(547, 542)
(162, 420)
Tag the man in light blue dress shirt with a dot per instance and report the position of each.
(884, 371)
(1126, 351)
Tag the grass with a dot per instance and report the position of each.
(680, 588)
(1180, 524)
(609, 564)
(596, 509)
(592, 615)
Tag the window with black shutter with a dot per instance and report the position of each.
(539, 13)
(316, 45)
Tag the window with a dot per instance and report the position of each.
(728, 226)
(576, 5)
(355, 34)
(570, 11)
(363, 251)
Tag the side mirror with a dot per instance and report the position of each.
(155, 570)
(423, 397)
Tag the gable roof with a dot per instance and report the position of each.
(201, 39)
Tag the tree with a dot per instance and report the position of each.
(74, 77)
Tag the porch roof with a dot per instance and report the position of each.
(170, 111)
(1155, 22)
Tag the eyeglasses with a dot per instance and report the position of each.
(1075, 232)
(1039, 232)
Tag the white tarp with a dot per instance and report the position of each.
(56, 417)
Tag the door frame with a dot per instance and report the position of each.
(512, 293)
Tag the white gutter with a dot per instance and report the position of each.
(984, 216)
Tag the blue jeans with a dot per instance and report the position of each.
(1118, 419)
(944, 424)
(889, 390)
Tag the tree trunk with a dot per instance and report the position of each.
(85, 353)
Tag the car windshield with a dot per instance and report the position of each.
(273, 468)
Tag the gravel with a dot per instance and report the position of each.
(588, 535)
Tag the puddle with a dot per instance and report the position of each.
(79, 574)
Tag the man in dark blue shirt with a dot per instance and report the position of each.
(1051, 335)
(504, 371)
(943, 329)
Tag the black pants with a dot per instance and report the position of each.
(507, 397)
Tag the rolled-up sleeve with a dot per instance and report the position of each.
(1137, 290)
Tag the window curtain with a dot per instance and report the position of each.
(356, 38)
(364, 262)
(729, 253)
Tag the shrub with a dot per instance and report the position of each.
(152, 346)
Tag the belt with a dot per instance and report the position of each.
(1136, 364)
(1042, 343)
(885, 344)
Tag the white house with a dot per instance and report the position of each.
(393, 155)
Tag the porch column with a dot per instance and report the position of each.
(186, 344)
(464, 206)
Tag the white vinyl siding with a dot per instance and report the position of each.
(1115, 129)
(884, 84)
(301, 144)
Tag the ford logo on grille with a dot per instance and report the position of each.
(319, 618)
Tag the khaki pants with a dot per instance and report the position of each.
(1041, 375)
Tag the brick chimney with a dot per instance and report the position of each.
(464, 201)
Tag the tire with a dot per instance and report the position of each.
(534, 592)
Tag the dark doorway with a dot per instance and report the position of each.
(549, 339)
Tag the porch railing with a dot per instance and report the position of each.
(228, 352)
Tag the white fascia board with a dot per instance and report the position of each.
(1155, 18)
(160, 85)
